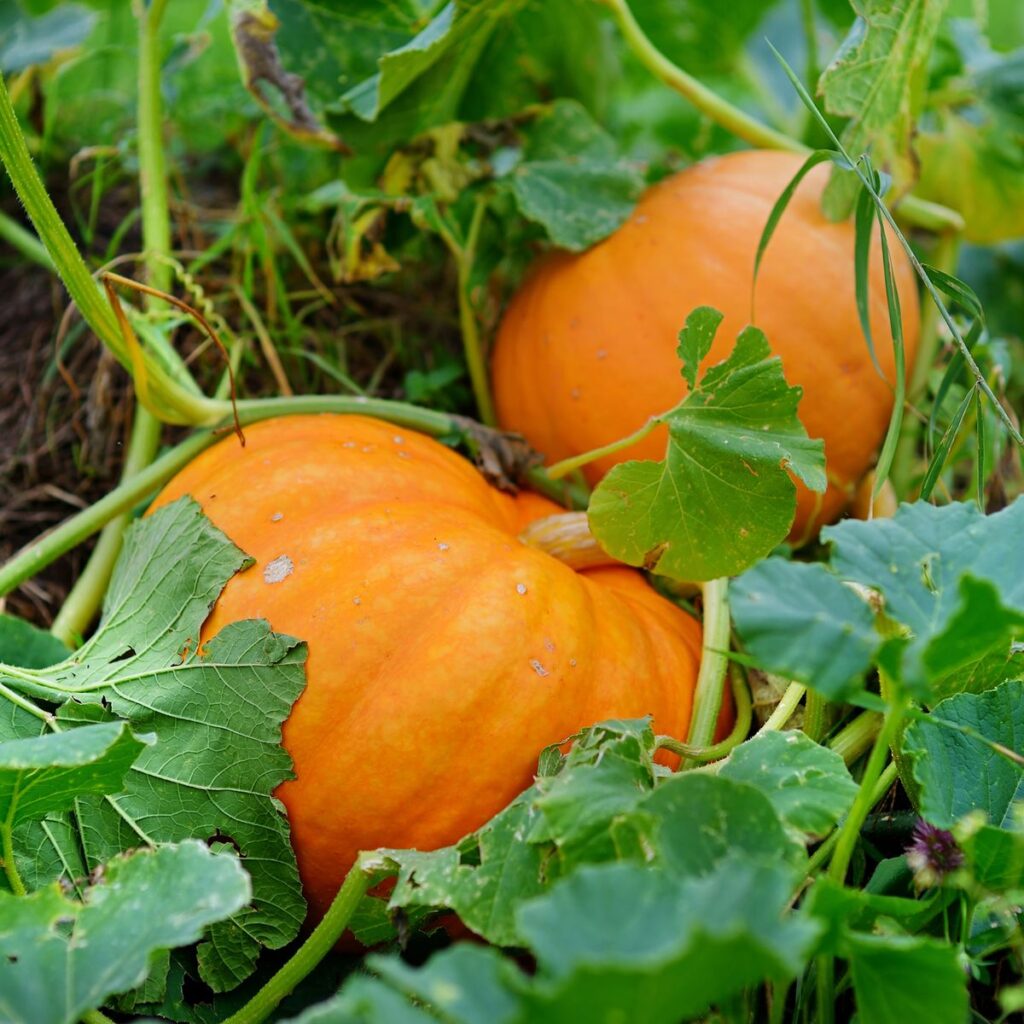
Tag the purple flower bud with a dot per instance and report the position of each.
(933, 854)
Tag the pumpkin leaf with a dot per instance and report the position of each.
(27, 646)
(897, 978)
(44, 774)
(961, 772)
(571, 179)
(612, 941)
(723, 497)
(60, 958)
(876, 79)
(808, 785)
(799, 620)
(216, 716)
(945, 578)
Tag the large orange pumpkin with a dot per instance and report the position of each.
(587, 349)
(444, 653)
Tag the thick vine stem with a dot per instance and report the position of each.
(864, 800)
(85, 597)
(172, 402)
(914, 211)
(744, 715)
(320, 942)
(784, 710)
(129, 493)
(714, 662)
(857, 736)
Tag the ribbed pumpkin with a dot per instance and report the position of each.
(444, 653)
(587, 349)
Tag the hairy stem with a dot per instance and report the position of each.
(815, 715)
(85, 597)
(310, 953)
(857, 736)
(714, 662)
(913, 210)
(472, 347)
(10, 868)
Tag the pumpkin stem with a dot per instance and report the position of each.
(567, 537)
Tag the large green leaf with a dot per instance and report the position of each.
(48, 773)
(624, 942)
(798, 619)
(26, 40)
(958, 772)
(945, 579)
(216, 716)
(876, 79)
(60, 958)
(919, 560)
(723, 496)
(571, 179)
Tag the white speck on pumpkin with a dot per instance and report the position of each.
(520, 588)
(279, 569)
(538, 667)
(277, 517)
(442, 546)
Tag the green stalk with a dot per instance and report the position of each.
(913, 210)
(176, 404)
(714, 662)
(311, 952)
(85, 597)
(865, 798)
(131, 492)
(10, 868)
(156, 220)
(574, 462)
(744, 715)
(464, 256)
(783, 712)
(857, 736)
(24, 242)
(815, 715)
(947, 253)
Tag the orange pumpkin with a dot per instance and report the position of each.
(444, 653)
(587, 349)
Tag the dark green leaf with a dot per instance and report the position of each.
(25, 41)
(723, 496)
(466, 984)
(917, 560)
(60, 958)
(961, 773)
